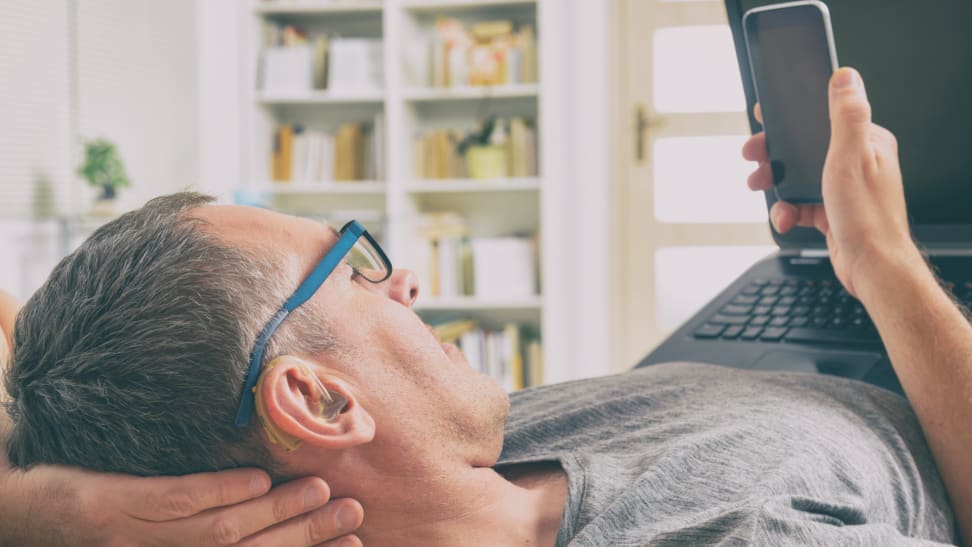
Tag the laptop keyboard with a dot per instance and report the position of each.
(806, 311)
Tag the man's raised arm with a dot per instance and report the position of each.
(55, 505)
(864, 219)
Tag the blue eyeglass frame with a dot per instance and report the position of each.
(348, 236)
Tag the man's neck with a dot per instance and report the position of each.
(470, 506)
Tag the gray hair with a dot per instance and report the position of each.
(132, 355)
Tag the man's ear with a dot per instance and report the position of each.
(292, 399)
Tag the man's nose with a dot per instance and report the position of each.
(403, 287)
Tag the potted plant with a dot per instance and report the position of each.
(103, 169)
(485, 150)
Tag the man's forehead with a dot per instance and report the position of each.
(250, 227)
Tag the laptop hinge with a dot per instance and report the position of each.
(814, 253)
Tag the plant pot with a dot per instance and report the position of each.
(486, 162)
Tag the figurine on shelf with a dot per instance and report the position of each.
(103, 169)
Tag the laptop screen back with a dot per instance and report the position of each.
(916, 60)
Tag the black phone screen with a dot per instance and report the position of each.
(791, 62)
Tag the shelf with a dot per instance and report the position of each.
(473, 185)
(322, 97)
(471, 303)
(515, 91)
(322, 188)
(462, 5)
(281, 7)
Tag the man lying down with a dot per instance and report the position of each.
(187, 336)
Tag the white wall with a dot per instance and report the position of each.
(138, 87)
(34, 143)
(220, 64)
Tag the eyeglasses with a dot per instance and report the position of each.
(366, 258)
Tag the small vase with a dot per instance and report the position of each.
(105, 205)
(486, 162)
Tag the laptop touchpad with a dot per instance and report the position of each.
(837, 363)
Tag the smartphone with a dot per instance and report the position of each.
(792, 56)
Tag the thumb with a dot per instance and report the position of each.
(850, 113)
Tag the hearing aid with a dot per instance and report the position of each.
(329, 406)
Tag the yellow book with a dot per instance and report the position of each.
(348, 152)
(321, 47)
(488, 31)
(451, 331)
(514, 359)
(283, 154)
(418, 158)
(529, 72)
(534, 363)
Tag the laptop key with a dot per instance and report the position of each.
(751, 333)
(709, 331)
(752, 289)
(828, 336)
(820, 321)
(719, 319)
(745, 300)
(733, 309)
(779, 321)
(759, 320)
(799, 321)
(773, 334)
(732, 331)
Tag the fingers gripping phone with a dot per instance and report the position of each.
(792, 56)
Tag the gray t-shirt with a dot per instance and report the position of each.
(688, 454)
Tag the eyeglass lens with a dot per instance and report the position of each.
(367, 261)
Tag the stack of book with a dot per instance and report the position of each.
(512, 355)
(295, 63)
(487, 53)
(450, 263)
(355, 151)
(435, 154)
(442, 258)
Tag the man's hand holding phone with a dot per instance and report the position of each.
(863, 214)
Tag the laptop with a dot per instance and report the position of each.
(788, 311)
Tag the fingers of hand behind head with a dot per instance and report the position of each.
(168, 498)
(332, 524)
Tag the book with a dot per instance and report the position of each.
(348, 153)
(503, 267)
(527, 44)
(355, 64)
(287, 70)
(451, 331)
(534, 363)
(321, 47)
(513, 359)
(282, 161)
(442, 255)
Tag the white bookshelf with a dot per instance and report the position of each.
(467, 93)
(317, 7)
(367, 97)
(494, 207)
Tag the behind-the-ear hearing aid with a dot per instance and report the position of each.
(329, 405)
